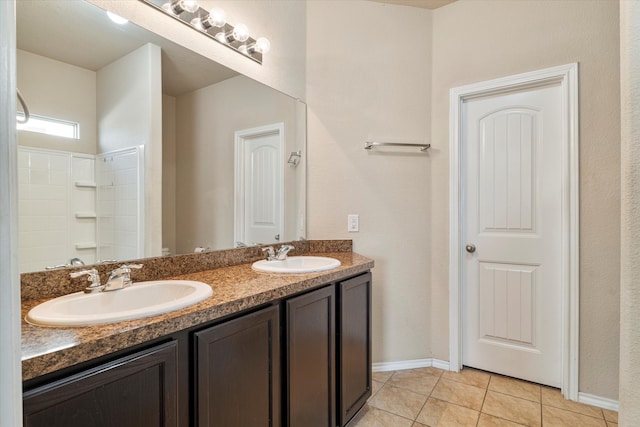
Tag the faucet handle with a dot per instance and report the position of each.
(94, 278)
(271, 253)
(92, 273)
(283, 251)
(125, 269)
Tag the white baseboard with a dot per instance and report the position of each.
(587, 399)
(600, 402)
(410, 364)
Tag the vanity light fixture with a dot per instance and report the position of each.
(213, 23)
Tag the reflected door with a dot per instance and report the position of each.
(513, 197)
(259, 185)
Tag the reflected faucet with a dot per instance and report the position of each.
(73, 262)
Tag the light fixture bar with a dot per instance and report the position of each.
(196, 17)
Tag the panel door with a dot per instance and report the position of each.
(354, 346)
(134, 391)
(263, 189)
(238, 372)
(311, 337)
(512, 200)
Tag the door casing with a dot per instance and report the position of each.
(567, 77)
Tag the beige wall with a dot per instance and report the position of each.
(481, 40)
(60, 91)
(206, 121)
(630, 254)
(368, 77)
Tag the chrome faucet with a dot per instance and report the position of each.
(271, 254)
(283, 251)
(281, 255)
(94, 278)
(120, 277)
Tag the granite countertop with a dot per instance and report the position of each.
(235, 289)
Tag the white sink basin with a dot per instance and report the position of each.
(297, 264)
(141, 299)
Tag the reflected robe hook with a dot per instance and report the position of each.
(294, 158)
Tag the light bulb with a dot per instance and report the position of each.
(189, 5)
(262, 45)
(216, 18)
(176, 7)
(221, 37)
(168, 7)
(240, 33)
(117, 18)
(197, 22)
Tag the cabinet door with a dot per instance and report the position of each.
(133, 391)
(238, 372)
(354, 345)
(311, 359)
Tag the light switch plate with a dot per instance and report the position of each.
(353, 223)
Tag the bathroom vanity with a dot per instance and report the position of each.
(263, 350)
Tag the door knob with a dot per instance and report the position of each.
(470, 248)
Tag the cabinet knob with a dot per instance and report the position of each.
(471, 248)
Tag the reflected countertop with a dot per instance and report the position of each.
(235, 289)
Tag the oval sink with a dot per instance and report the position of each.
(141, 299)
(297, 264)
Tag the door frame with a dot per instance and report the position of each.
(567, 77)
(240, 138)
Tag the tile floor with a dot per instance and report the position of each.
(433, 397)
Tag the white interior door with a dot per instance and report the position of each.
(512, 203)
(259, 185)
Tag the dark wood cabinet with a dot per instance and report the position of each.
(310, 360)
(237, 372)
(132, 391)
(304, 361)
(354, 345)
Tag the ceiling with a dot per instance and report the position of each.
(81, 34)
(424, 4)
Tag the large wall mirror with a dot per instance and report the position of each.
(138, 147)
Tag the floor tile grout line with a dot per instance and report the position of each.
(575, 411)
(486, 390)
(541, 409)
(393, 413)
